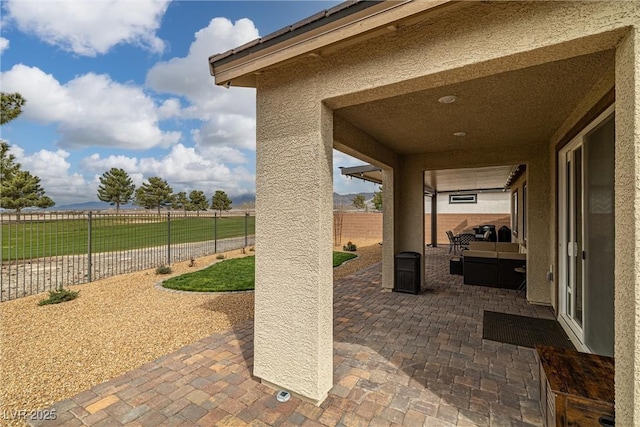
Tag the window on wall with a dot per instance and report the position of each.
(462, 198)
(514, 213)
(524, 211)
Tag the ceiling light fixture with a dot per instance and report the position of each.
(448, 99)
(460, 134)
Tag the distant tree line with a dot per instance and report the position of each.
(20, 189)
(117, 188)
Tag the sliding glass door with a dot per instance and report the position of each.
(586, 235)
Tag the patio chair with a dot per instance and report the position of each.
(463, 239)
(453, 242)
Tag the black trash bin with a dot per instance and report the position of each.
(504, 234)
(407, 272)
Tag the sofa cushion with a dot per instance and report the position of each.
(482, 246)
(479, 254)
(511, 255)
(507, 247)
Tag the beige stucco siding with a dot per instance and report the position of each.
(480, 40)
(627, 246)
(294, 277)
(409, 232)
(391, 205)
(296, 132)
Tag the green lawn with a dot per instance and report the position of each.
(236, 274)
(34, 239)
(341, 257)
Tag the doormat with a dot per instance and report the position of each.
(523, 330)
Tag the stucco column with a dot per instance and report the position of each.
(409, 215)
(434, 220)
(388, 228)
(538, 219)
(627, 243)
(293, 344)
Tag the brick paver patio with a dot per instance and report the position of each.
(399, 360)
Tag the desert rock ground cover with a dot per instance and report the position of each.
(50, 353)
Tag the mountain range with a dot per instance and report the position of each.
(344, 201)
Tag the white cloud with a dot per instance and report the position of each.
(184, 168)
(169, 108)
(90, 28)
(229, 114)
(227, 130)
(4, 44)
(53, 169)
(91, 109)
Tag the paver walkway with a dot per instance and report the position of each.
(399, 359)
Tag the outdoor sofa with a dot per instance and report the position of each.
(492, 264)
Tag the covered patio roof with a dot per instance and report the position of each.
(485, 179)
(434, 85)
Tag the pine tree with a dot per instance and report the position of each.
(180, 201)
(221, 202)
(10, 106)
(22, 191)
(18, 189)
(154, 194)
(198, 201)
(116, 187)
(8, 165)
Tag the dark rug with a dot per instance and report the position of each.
(523, 330)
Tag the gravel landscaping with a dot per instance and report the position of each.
(49, 353)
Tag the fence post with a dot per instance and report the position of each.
(215, 232)
(89, 258)
(168, 238)
(246, 223)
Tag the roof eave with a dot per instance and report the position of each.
(241, 69)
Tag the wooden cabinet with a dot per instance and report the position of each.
(576, 389)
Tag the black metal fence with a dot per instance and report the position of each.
(44, 251)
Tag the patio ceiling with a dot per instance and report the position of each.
(520, 107)
(447, 180)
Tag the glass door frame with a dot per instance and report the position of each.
(566, 221)
(568, 233)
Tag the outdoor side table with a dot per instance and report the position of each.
(576, 389)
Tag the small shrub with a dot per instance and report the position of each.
(349, 247)
(163, 269)
(220, 256)
(58, 296)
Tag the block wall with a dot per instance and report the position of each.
(367, 226)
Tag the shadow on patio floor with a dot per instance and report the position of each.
(400, 359)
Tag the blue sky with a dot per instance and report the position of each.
(125, 83)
